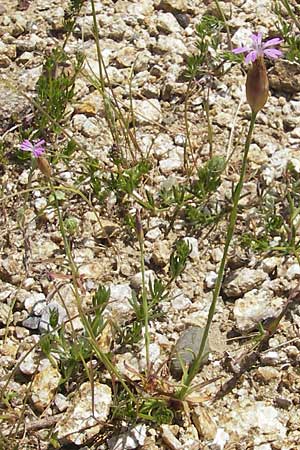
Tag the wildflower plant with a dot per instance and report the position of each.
(257, 93)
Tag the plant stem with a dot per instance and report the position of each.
(230, 230)
(145, 303)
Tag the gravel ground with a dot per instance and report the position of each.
(249, 392)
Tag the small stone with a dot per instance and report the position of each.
(220, 439)
(170, 164)
(259, 417)
(293, 272)
(183, 20)
(90, 105)
(204, 423)
(43, 387)
(161, 254)
(154, 353)
(283, 403)
(167, 23)
(193, 245)
(86, 414)
(174, 6)
(29, 365)
(136, 280)
(285, 77)
(21, 332)
(34, 299)
(210, 279)
(147, 111)
(126, 56)
(186, 348)
(180, 140)
(267, 374)
(6, 316)
(130, 440)
(154, 234)
(255, 307)
(180, 302)
(48, 311)
(169, 438)
(243, 280)
(61, 402)
(270, 358)
(119, 307)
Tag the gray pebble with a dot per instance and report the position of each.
(186, 349)
(31, 323)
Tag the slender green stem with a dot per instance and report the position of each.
(102, 356)
(220, 11)
(230, 230)
(145, 303)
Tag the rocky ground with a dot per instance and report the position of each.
(248, 392)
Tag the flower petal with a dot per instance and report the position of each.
(26, 146)
(272, 53)
(39, 143)
(240, 50)
(251, 57)
(38, 151)
(257, 38)
(271, 42)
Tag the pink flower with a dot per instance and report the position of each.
(260, 49)
(36, 149)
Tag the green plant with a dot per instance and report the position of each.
(55, 88)
(286, 28)
(70, 351)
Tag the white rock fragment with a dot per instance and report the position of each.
(169, 438)
(86, 415)
(266, 374)
(154, 353)
(33, 300)
(6, 316)
(154, 234)
(204, 423)
(193, 245)
(130, 440)
(180, 302)
(255, 307)
(270, 358)
(119, 306)
(136, 280)
(259, 417)
(29, 365)
(210, 279)
(61, 402)
(243, 280)
(167, 23)
(221, 438)
(43, 387)
(293, 272)
(170, 164)
(147, 111)
(49, 311)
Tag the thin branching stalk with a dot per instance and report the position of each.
(230, 230)
(93, 342)
(220, 11)
(145, 307)
(209, 125)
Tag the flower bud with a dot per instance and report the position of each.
(257, 85)
(138, 225)
(44, 166)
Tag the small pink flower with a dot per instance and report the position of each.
(36, 149)
(260, 49)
